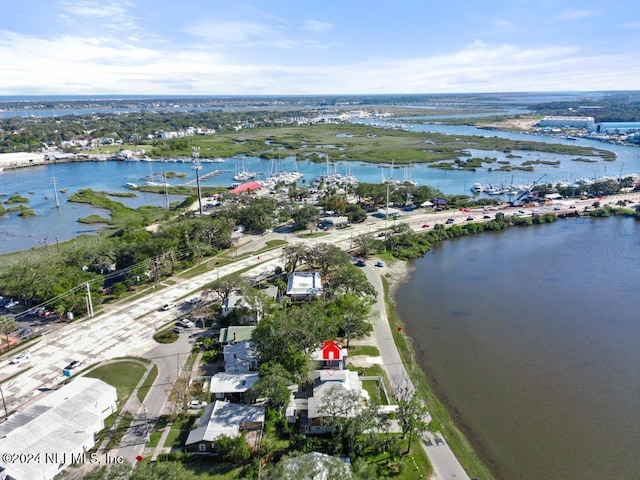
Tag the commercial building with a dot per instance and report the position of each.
(617, 128)
(567, 122)
(56, 431)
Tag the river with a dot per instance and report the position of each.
(17, 233)
(532, 337)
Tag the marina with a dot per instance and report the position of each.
(124, 176)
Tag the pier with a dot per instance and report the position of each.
(205, 176)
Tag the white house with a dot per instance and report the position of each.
(309, 411)
(304, 285)
(231, 303)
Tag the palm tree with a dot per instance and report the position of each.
(7, 325)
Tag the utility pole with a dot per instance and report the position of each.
(55, 191)
(89, 302)
(386, 214)
(4, 404)
(195, 155)
(166, 191)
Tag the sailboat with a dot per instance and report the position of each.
(243, 175)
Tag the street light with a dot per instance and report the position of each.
(195, 155)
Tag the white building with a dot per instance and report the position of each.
(304, 285)
(567, 121)
(57, 430)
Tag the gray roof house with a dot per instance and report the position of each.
(231, 386)
(308, 411)
(240, 357)
(224, 418)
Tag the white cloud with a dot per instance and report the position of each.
(95, 9)
(630, 25)
(317, 26)
(109, 64)
(570, 15)
(115, 15)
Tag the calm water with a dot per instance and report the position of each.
(533, 338)
(17, 233)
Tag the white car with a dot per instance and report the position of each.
(20, 358)
(196, 404)
(168, 306)
(185, 323)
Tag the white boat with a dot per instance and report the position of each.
(131, 185)
(243, 175)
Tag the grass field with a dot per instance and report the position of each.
(124, 375)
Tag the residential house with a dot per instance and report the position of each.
(240, 357)
(330, 356)
(306, 406)
(224, 418)
(304, 285)
(231, 386)
(233, 303)
(235, 333)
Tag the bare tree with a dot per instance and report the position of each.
(411, 409)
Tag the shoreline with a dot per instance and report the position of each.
(396, 275)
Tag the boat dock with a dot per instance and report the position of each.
(204, 177)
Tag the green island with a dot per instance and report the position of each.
(351, 142)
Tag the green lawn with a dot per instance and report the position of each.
(148, 382)
(166, 336)
(369, 350)
(124, 375)
(376, 394)
(179, 432)
(210, 471)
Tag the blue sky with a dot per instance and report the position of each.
(242, 47)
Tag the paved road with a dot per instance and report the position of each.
(127, 329)
(445, 464)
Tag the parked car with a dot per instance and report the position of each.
(24, 333)
(379, 264)
(73, 364)
(178, 329)
(196, 404)
(184, 323)
(450, 220)
(168, 306)
(469, 218)
(20, 358)
(12, 304)
(426, 225)
(486, 216)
